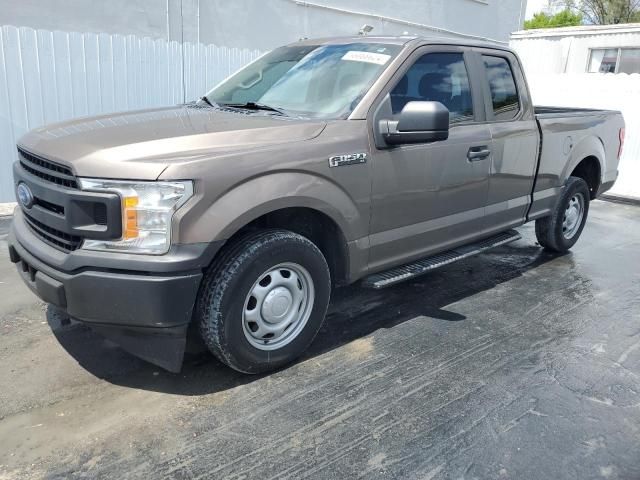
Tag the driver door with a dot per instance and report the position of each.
(430, 197)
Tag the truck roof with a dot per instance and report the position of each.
(401, 40)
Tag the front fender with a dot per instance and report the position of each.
(274, 191)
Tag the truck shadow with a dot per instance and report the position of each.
(354, 313)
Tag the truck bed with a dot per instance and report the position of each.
(567, 136)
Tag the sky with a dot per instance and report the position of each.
(534, 6)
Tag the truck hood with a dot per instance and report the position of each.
(142, 144)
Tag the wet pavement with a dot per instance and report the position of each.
(514, 364)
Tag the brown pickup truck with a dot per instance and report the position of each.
(322, 163)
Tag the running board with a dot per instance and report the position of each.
(412, 270)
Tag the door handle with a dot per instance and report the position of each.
(478, 153)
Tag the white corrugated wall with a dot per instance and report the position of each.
(51, 76)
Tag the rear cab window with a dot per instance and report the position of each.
(502, 85)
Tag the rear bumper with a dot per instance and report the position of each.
(605, 187)
(146, 310)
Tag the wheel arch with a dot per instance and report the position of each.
(587, 162)
(315, 225)
(306, 204)
(590, 170)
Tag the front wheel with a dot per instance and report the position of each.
(560, 231)
(264, 300)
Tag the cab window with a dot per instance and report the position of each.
(437, 77)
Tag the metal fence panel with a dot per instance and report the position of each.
(49, 76)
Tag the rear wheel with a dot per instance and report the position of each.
(560, 231)
(265, 299)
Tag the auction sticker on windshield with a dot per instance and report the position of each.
(368, 57)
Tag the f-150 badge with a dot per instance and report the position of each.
(351, 159)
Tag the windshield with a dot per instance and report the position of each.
(320, 81)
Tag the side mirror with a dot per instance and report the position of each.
(419, 122)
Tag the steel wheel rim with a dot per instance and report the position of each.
(573, 216)
(278, 306)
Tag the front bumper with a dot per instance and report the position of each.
(143, 303)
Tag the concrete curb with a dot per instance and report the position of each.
(6, 209)
(627, 200)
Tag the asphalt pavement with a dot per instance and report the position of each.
(514, 364)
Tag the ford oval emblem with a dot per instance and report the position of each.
(25, 196)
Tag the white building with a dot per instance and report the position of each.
(584, 49)
(63, 59)
(589, 66)
(265, 24)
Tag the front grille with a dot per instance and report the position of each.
(52, 207)
(47, 170)
(52, 236)
(60, 213)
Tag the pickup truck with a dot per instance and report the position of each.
(320, 164)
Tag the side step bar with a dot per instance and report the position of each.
(412, 270)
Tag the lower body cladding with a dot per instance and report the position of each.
(147, 314)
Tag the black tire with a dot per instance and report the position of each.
(224, 294)
(551, 231)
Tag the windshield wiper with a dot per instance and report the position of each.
(255, 106)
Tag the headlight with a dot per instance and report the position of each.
(147, 210)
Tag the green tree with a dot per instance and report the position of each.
(605, 12)
(565, 18)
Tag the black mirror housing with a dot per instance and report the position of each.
(424, 117)
(419, 122)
